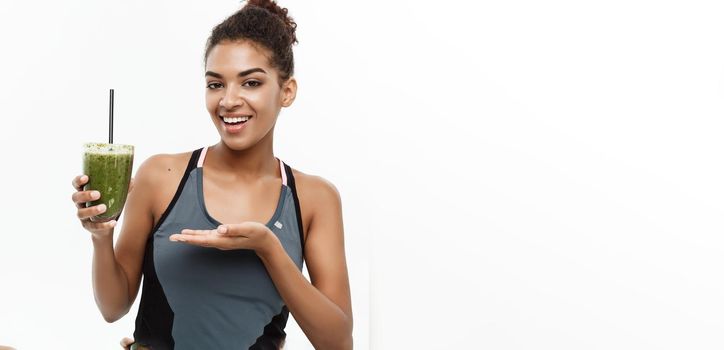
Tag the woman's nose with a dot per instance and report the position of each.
(231, 99)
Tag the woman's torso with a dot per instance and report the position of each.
(203, 298)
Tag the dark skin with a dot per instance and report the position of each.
(242, 183)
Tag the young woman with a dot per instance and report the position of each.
(220, 234)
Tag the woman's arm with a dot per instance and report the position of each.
(117, 273)
(322, 308)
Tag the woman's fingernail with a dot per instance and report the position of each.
(221, 229)
(101, 208)
(95, 195)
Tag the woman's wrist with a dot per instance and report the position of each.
(271, 246)
(102, 238)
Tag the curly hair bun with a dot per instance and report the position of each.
(265, 23)
(281, 12)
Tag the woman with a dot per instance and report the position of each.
(220, 234)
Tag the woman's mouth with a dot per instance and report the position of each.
(234, 124)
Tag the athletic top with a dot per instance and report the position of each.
(204, 298)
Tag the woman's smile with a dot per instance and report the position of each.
(235, 123)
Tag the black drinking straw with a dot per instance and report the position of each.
(110, 120)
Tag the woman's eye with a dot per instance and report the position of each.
(213, 86)
(253, 83)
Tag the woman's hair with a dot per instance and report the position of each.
(264, 23)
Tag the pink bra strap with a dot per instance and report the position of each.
(284, 173)
(201, 157)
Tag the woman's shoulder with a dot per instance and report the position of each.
(312, 183)
(158, 178)
(158, 168)
(319, 201)
(166, 162)
(315, 192)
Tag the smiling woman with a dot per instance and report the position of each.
(220, 234)
(236, 93)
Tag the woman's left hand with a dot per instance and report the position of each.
(247, 235)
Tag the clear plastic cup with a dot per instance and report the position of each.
(108, 167)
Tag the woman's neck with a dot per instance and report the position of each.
(248, 164)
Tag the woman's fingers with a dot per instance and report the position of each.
(126, 342)
(99, 226)
(187, 231)
(85, 213)
(79, 181)
(81, 197)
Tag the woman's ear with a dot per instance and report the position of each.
(289, 92)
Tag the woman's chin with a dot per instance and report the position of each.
(239, 144)
(234, 145)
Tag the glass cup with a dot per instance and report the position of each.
(108, 167)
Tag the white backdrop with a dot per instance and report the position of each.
(514, 175)
(58, 61)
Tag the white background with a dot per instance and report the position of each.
(514, 175)
(58, 61)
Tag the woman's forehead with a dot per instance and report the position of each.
(237, 55)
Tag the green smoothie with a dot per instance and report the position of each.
(108, 167)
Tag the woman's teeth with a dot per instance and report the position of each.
(235, 120)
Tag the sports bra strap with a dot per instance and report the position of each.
(202, 157)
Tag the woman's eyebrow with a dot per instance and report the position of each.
(241, 74)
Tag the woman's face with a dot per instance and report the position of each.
(241, 83)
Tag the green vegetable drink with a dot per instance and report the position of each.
(108, 167)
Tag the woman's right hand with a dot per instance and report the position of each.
(80, 197)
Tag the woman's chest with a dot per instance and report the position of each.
(230, 202)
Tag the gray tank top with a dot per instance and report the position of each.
(204, 298)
